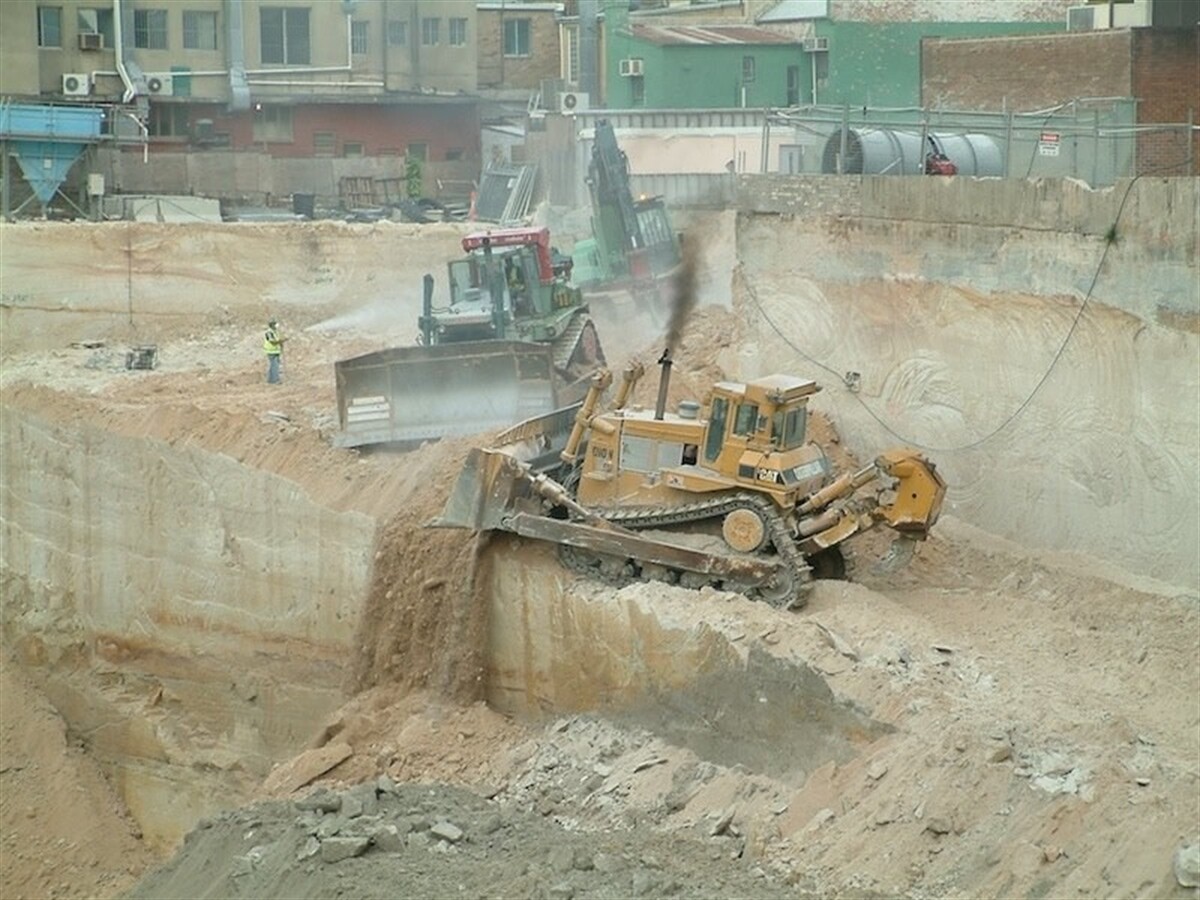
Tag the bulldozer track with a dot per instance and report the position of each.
(565, 344)
(788, 593)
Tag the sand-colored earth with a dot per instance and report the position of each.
(1009, 722)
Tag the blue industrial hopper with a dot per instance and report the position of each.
(47, 140)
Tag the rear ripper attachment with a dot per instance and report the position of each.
(643, 495)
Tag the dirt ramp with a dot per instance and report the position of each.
(423, 626)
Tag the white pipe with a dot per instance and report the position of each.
(268, 82)
(298, 71)
(221, 73)
(130, 90)
(145, 136)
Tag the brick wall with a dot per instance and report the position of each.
(1026, 73)
(1166, 82)
(381, 130)
(499, 71)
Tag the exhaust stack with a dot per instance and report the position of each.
(426, 320)
(664, 381)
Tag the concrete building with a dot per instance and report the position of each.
(518, 46)
(316, 78)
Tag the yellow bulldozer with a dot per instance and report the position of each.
(731, 494)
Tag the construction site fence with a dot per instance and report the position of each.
(1094, 140)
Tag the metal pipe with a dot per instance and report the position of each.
(426, 322)
(235, 57)
(843, 486)
(827, 519)
(270, 81)
(664, 382)
(119, 53)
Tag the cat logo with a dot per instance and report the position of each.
(770, 475)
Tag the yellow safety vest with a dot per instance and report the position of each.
(272, 342)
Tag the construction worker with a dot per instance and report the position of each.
(516, 285)
(273, 347)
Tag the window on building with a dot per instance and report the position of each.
(49, 26)
(97, 21)
(352, 148)
(454, 154)
(748, 69)
(358, 37)
(430, 29)
(793, 85)
(150, 29)
(168, 120)
(199, 30)
(418, 151)
(637, 87)
(324, 143)
(458, 33)
(273, 125)
(516, 37)
(397, 33)
(284, 35)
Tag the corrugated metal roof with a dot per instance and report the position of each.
(708, 34)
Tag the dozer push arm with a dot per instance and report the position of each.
(586, 417)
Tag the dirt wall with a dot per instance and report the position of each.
(213, 603)
(133, 281)
(1059, 425)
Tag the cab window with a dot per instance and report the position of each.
(787, 429)
(747, 419)
(716, 428)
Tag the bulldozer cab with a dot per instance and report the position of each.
(753, 437)
(761, 417)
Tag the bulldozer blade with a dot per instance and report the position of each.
(539, 440)
(485, 494)
(412, 394)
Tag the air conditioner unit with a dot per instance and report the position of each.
(160, 85)
(76, 84)
(1084, 18)
(573, 101)
(815, 44)
(91, 40)
(631, 68)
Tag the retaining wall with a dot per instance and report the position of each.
(959, 304)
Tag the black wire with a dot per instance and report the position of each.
(1109, 240)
